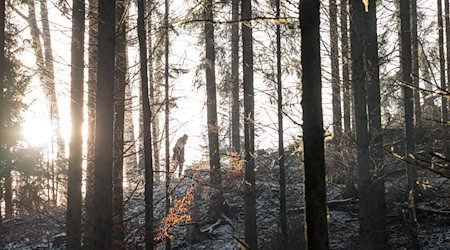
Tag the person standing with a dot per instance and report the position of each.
(178, 153)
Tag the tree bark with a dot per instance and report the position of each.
(376, 145)
(408, 101)
(104, 125)
(154, 94)
(235, 106)
(9, 208)
(313, 133)
(92, 88)
(147, 122)
(350, 189)
(335, 81)
(141, 160)
(119, 122)
(167, 110)
(216, 201)
(45, 71)
(158, 100)
(415, 63)
(359, 71)
(345, 66)
(49, 72)
(442, 69)
(2, 76)
(283, 217)
(427, 77)
(447, 37)
(249, 127)
(76, 140)
(130, 161)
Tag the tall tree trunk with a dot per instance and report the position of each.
(119, 122)
(444, 114)
(92, 89)
(76, 140)
(158, 79)
(376, 145)
(235, 106)
(167, 109)
(141, 134)
(447, 40)
(153, 96)
(345, 66)
(335, 81)
(350, 189)
(249, 127)
(47, 41)
(45, 69)
(147, 122)
(130, 161)
(427, 77)
(104, 125)
(415, 63)
(217, 199)
(50, 75)
(283, 217)
(156, 133)
(313, 135)
(9, 207)
(2, 76)
(406, 65)
(358, 43)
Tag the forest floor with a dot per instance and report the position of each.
(45, 230)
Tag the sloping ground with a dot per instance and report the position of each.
(39, 232)
(36, 231)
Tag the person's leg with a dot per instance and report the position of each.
(180, 170)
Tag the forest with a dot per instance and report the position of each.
(231, 124)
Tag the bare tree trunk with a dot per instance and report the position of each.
(92, 89)
(48, 86)
(2, 75)
(283, 217)
(350, 189)
(415, 63)
(313, 138)
(167, 109)
(50, 77)
(104, 126)
(345, 66)
(147, 122)
(158, 78)
(216, 200)
(76, 140)
(444, 110)
(130, 160)
(406, 64)
(427, 77)
(235, 106)
(249, 128)
(119, 122)
(1, 189)
(359, 71)
(141, 134)
(9, 208)
(153, 104)
(335, 81)
(447, 40)
(376, 145)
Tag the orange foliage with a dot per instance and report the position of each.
(177, 215)
(236, 172)
(237, 165)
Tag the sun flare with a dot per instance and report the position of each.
(37, 131)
